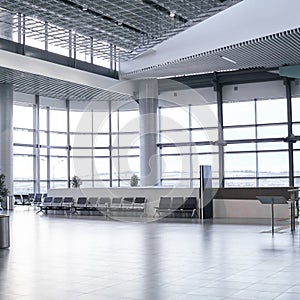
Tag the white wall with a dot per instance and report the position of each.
(225, 208)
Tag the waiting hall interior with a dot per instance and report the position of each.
(149, 150)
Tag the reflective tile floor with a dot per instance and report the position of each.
(60, 257)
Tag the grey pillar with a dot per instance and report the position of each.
(149, 156)
(6, 134)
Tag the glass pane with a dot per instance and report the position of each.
(175, 136)
(272, 146)
(101, 152)
(205, 159)
(58, 152)
(23, 137)
(271, 111)
(271, 164)
(23, 116)
(239, 133)
(81, 140)
(101, 166)
(180, 183)
(25, 187)
(114, 121)
(175, 166)
(58, 120)
(43, 138)
(43, 119)
(240, 147)
(175, 150)
(100, 121)
(174, 118)
(81, 121)
(129, 166)
(204, 116)
(43, 168)
(81, 167)
(239, 113)
(58, 168)
(240, 182)
(240, 164)
(58, 184)
(43, 187)
(101, 183)
(23, 150)
(82, 152)
(128, 140)
(273, 182)
(296, 130)
(101, 140)
(23, 167)
(272, 131)
(129, 121)
(296, 109)
(58, 139)
(204, 135)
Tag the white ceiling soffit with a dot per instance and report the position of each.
(248, 22)
(267, 52)
(34, 84)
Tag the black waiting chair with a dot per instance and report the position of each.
(163, 206)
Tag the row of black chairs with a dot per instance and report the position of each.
(104, 205)
(177, 206)
(28, 199)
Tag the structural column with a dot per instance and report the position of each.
(6, 134)
(149, 156)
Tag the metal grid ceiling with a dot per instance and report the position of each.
(44, 86)
(133, 26)
(267, 52)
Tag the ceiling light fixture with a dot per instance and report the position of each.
(172, 13)
(228, 59)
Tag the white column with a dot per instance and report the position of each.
(149, 155)
(6, 134)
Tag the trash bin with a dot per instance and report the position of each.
(4, 232)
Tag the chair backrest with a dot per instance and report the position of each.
(48, 200)
(31, 196)
(57, 200)
(82, 201)
(92, 201)
(18, 197)
(68, 200)
(165, 202)
(190, 203)
(116, 200)
(127, 200)
(139, 200)
(177, 202)
(38, 198)
(104, 201)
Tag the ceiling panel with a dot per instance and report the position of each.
(266, 52)
(44, 86)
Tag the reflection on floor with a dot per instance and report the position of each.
(86, 258)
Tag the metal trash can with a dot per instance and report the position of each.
(4, 232)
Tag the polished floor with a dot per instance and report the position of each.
(61, 257)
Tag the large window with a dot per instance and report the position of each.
(254, 131)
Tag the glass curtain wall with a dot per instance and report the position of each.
(89, 148)
(255, 153)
